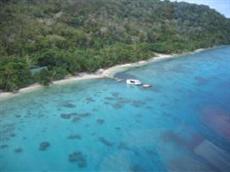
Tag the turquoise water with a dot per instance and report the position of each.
(181, 124)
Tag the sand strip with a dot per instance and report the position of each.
(101, 73)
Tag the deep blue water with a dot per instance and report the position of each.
(181, 124)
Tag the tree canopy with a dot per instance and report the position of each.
(84, 35)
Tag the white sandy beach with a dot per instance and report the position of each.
(101, 73)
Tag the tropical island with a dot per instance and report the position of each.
(114, 86)
(42, 41)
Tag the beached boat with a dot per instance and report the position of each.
(133, 82)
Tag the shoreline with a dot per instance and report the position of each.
(101, 73)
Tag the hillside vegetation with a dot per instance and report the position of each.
(66, 37)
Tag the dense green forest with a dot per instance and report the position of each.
(66, 37)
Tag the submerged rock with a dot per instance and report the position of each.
(79, 158)
(44, 146)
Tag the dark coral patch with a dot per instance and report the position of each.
(151, 152)
(93, 134)
(4, 146)
(100, 121)
(12, 135)
(94, 109)
(123, 146)
(74, 136)
(137, 103)
(149, 107)
(200, 80)
(18, 150)
(41, 116)
(89, 100)
(178, 69)
(84, 114)
(163, 104)
(138, 121)
(65, 116)
(68, 105)
(136, 168)
(79, 158)
(105, 142)
(76, 119)
(106, 103)
(117, 106)
(118, 128)
(79, 116)
(166, 113)
(123, 100)
(109, 98)
(115, 94)
(156, 89)
(6, 131)
(18, 116)
(87, 125)
(139, 115)
(44, 146)
(44, 130)
(68, 115)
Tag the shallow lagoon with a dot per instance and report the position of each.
(180, 124)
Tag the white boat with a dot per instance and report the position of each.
(146, 85)
(133, 82)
